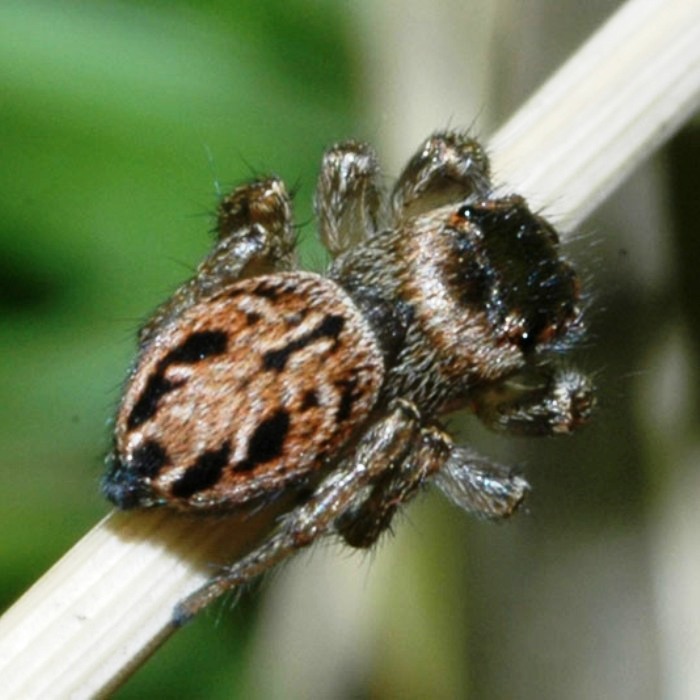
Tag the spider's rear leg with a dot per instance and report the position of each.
(383, 447)
(255, 235)
(347, 198)
(448, 168)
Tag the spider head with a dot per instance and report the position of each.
(509, 266)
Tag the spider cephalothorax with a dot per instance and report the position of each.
(256, 379)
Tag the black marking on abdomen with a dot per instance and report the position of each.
(147, 405)
(266, 291)
(266, 442)
(205, 472)
(348, 396)
(148, 459)
(309, 400)
(195, 348)
(329, 327)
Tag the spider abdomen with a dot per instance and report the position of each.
(245, 393)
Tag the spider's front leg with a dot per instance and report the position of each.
(255, 235)
(546, 400)
(448, 167)
(347, 199)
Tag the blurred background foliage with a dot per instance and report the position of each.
(120, 120)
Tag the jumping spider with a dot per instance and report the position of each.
(255, 378)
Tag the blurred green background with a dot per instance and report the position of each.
(119, 120)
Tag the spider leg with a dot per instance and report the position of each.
(255, 235)
(362, 525)
(448, 167)
(548, 400)
(477, 485)
(383, 446)
(347, 196)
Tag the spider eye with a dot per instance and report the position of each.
(465, 212)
